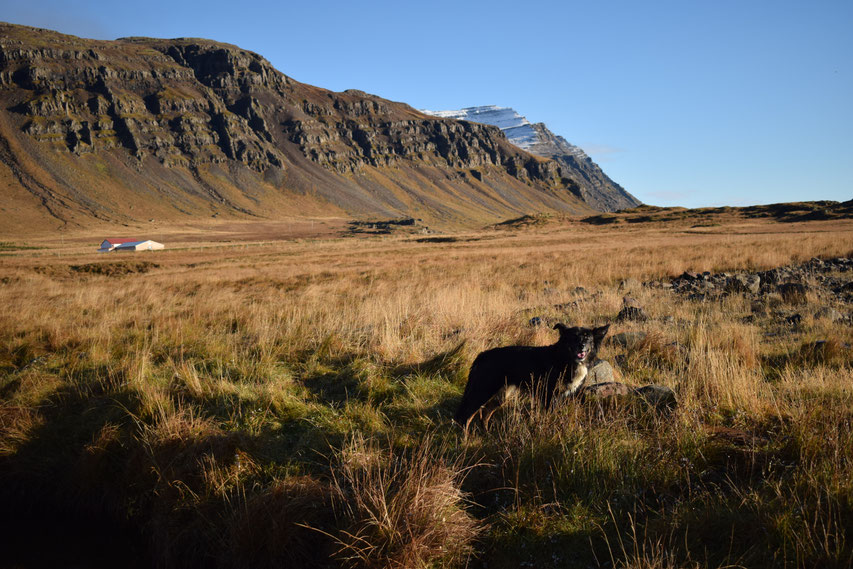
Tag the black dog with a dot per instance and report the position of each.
(541, 370)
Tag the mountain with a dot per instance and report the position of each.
(138, 129)
(517, 129)
(596, 188)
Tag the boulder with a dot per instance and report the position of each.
(627, 339)
(793, 319)
(660, 397)
(631, 310)
(743, 283)
(600, 372)
(605, 390)
(633, 313)
(831, 314)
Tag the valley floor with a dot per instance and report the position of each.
(257, 396)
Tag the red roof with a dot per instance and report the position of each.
(120, 241)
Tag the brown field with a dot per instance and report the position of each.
(278, 395)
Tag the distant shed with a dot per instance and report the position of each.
(147, 245)
(110, 244)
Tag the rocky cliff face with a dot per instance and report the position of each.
(596, 187)
(187, 126)
(593, 185)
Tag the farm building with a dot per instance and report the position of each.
(129, 245)
(110, 244)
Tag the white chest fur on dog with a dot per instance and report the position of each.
(577, 380)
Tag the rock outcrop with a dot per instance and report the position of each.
(828, 278)
(823, 287)
(596, 187)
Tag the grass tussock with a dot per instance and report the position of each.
(290, 404)
(401, 511)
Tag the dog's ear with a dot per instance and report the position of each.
(565, 330)
(599, 333)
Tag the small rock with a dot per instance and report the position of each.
(743, 283)
(35, 362)
(753, 283)
(830, 313)
(535, 321)
(794, 319)
(815, 263)
(627, 339)
(633, 313)
(605, 390)
(660, 397)
(600, 372)
(630, 302)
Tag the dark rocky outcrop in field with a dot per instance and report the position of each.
(177, 128)
(830, 279)
(707, 218)
(821, 288)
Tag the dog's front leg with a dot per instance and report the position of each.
(551, 385)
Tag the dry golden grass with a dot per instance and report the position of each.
(405, 511)
(202, 397)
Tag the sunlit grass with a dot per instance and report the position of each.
(291, 403)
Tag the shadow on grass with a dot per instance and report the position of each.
(58, 505)
(95, 484)
(449, 364)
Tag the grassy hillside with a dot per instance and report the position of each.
(133, 131)
(288, 403)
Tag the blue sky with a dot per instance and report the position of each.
(692, 103)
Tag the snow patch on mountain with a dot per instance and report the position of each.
(517, 129)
